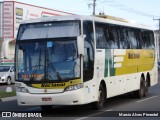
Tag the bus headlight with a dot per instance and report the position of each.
(74, 87)
(22, 89)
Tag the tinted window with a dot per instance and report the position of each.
(132, 38)
(88, 65)
(113, 38)
(148, 39)
(124, 43)
(109, 36)
(49, 30)
(106, 36)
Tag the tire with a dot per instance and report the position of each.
(8, 81)
(101, 99)
(46, 107)
(146, 88)
(140, 93)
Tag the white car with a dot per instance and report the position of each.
(7, 74)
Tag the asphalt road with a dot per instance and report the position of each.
(114, 107)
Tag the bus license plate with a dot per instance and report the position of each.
(46, 99)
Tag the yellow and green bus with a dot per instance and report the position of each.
(77, 60)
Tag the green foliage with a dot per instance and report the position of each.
(7, 94)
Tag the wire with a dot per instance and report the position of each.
(125, 8)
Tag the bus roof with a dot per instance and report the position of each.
(109, 19)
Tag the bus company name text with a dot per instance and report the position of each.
(44, 85)
(133, 55)
(134, 114)
(22, 115)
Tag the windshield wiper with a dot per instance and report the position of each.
(58, 75)
(36, 67)
(54, 69)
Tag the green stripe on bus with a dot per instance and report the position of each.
(109, 64)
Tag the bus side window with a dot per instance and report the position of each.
(107, 36)
(88, 62)
(124, 43)
(140, 42)
(151, 37)
(101, 42)
(145, 38)
(132, 39)
(113, 37)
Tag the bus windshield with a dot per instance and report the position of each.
(53, 60)
(47, 51)
(45, 30)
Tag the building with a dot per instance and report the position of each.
(12, 13)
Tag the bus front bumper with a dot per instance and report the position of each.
(74, 97)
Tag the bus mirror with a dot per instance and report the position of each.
(80, 44)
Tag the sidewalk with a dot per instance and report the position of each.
(6, 99)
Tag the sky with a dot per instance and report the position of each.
(139, 11)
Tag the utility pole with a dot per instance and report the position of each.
(158, 44)
(159, 22)
(94, 6)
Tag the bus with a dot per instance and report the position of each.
(78, 60)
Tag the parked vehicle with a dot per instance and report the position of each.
(7, 74)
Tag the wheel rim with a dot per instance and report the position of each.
(8, 81)
(142, 88)
(146, 88)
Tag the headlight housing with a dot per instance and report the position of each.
(74, 87)
(22, 89)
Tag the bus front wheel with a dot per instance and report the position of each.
(101, 98)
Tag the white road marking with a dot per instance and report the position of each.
(146, 99)
(32, 109)
(93, 115)
(81, 118)
(109, 110)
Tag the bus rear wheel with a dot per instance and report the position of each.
(141, 92)
(101, 98)
(146, 88)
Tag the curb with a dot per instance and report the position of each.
(6, 99)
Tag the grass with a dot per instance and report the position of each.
(7, 94)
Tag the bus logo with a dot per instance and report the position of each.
(45, 90)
